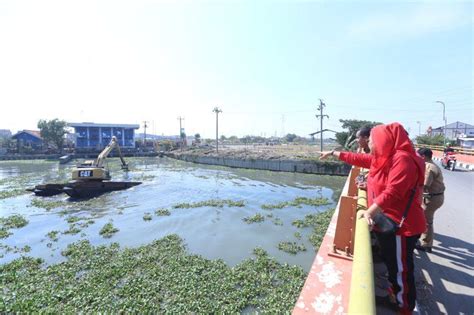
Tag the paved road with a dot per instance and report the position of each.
(448, 287)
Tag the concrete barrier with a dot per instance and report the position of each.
(298, 166)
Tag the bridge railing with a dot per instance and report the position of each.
(341, 279)
(460, 150)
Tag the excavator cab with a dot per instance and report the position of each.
(95, 170)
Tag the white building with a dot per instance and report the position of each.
(455, 130)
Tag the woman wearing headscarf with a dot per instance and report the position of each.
(396, 176)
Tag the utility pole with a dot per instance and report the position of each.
(144, 135)
(444, 117)
(321, 116)
(217, 111)
(419, 128)
(181, 131)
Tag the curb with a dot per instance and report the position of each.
(466, 166)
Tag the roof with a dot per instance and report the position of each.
(91, 124)
(455, 125)
(34, 133)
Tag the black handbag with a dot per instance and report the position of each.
(385, 225)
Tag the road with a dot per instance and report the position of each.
(448, 284)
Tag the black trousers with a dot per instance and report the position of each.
(397, 253)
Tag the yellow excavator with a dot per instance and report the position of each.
(89, 179)
(95, 170)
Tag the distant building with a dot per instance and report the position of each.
(5, 133)
(95, 136)
(29, 138)
(466, 142)
(455, 130)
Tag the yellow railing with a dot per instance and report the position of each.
(362, 293)
(441, 148)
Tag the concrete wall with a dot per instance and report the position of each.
(299, 166)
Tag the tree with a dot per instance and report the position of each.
(430, 140)
(53, 132)
(290, 137)
(197, 138)
(346, 138)
(223, 138)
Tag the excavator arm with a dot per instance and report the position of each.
(99, 162)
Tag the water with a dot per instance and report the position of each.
(215, 233)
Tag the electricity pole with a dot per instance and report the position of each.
(444, 117)
(419, 128)
(181, 131)
(321, 116)
(217, 111)
(144, 135)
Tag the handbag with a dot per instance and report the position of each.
(385, 225)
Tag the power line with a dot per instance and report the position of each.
(321, 116)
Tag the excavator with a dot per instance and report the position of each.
(89, 179)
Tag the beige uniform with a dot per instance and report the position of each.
(433, 199)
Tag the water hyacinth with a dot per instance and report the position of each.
(254, 219)
(108, 230)
(219, 203)
(147, 217)
(291, 247)
(297, 202)
(15, 221)
(162, 212)
(157, 278)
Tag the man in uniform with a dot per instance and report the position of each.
(433, 197)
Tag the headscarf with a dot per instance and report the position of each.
(388, 139)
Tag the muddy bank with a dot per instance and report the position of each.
(255, 160)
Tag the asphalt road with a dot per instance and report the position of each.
(448, 284)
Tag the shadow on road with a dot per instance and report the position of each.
(450, 277)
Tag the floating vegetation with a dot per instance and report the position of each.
(73, 229)
(319, 222)
(291, 247)
(4, 194)
(297, 235)
(73, 219)
(108, 230)
(277, 221)
(297, 202)
(162, 212)
(46, 204)
(15, 221)
(219, 203)
(105, 279)
(26, 249)
(53, 235)
(147, 217)
(254, 219)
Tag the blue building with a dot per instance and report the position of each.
(29, 139)
(92, 136)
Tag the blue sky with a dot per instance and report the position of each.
(265, 64)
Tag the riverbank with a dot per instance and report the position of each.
(297, 159)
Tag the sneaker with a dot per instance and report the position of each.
(386, 301)
(423, 248)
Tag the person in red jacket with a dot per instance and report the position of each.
(395, 173)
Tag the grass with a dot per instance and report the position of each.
(219, 203)
(108, 230)
(254, 219)
(157, 278)
(297, 202)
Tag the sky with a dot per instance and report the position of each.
(265, 64)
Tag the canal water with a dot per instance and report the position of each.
(213, 232)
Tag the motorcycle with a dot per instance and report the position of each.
(449, 161)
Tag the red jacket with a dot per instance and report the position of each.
(390, 188)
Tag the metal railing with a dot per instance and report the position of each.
(362, 292)
(460, 150)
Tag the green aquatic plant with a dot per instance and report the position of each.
(219, 203)
(53, 235)
(108, 230)
(297, 235)
(297, 202)
(254, 219)
(4, 233)
(73, 219)
(73, 229)
(15, 221)
(319, 222)
(162, 212)
(277, 221)
(156, 278)
(46, 204)
(291, 247)
(4, 194)
(147, 217)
